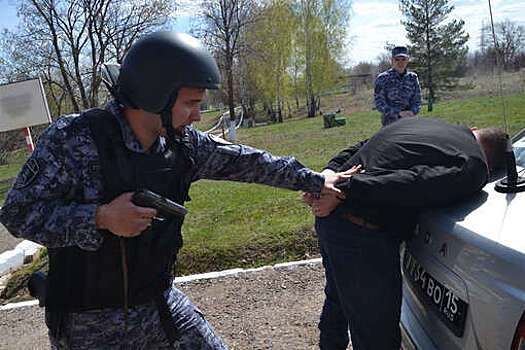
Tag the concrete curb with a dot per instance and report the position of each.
(23, 253)
(201, 276)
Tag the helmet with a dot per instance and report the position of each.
(158, 65)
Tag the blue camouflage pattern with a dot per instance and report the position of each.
(54, 198)
(396, 92)
(105, 328)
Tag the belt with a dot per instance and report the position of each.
(361, 222)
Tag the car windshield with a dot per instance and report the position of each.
(519, 151)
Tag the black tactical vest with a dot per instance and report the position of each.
(80, 280)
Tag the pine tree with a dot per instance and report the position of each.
(438, 45)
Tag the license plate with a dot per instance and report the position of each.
(450, 308)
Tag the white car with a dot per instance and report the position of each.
(464, 272)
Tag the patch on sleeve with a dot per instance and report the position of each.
(62, 123)
(27, 174)
(219, 140)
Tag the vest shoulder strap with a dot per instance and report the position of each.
(107, 135)
(104, 126)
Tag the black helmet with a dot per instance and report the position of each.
(158, 65)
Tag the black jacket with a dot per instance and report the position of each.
(410, 165)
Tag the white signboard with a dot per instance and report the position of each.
(23, 104)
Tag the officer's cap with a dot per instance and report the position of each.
(399, 51)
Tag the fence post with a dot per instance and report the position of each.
(29, 140)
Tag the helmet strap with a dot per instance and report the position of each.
(167, 119)
(165, 116)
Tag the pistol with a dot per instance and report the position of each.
(166, 207)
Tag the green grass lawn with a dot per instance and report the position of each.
(233, 224)
(245, 225)
(208, 120)
(8, 172)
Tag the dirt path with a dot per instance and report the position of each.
(268, 309)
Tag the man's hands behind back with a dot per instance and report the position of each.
(328, 200)
(332, 178)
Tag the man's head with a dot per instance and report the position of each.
(399, 58)
(492, 142)
(157, 67)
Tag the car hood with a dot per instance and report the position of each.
(499, 217)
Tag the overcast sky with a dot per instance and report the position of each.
(373, 22)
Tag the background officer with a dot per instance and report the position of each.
(110, 282)
(397, 93)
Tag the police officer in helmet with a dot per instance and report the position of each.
(110, 281)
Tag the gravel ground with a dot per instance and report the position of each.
(267, 309)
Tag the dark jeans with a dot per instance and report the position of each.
(363, 286)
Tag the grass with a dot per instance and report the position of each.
(246, 225)
(229, 221)
(208, 120)
(483, 112)
(8, 172)
(16, 159)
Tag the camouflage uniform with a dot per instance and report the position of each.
(104, 328)
(54, 199)
(396, 92)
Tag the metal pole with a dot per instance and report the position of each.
(29, 140)
(498, 67)
(232, 130)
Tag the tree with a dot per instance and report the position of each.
(438, 45)
(484, 59)
(224, 23)
(363, 68)
(67, 41)
(271, 41)
(383, 62)
(274, 65)
(321, 33)
(510, 39)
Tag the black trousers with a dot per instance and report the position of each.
(363, 286)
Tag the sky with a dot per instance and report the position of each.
(373, 23)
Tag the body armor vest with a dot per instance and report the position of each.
(80, 280)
